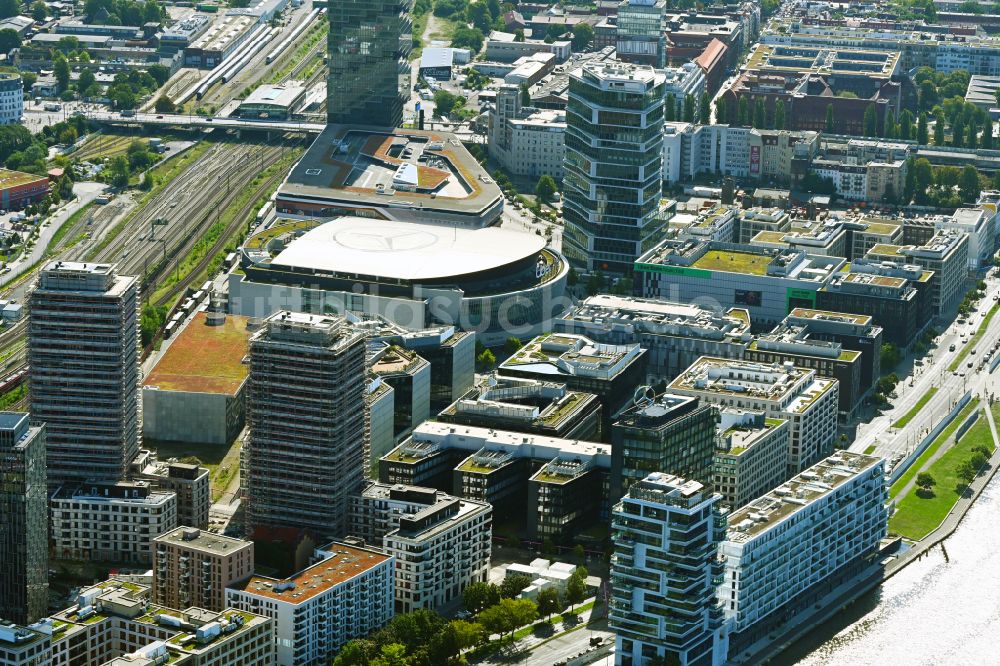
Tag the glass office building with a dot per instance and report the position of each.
(614, 166)
(368, 45)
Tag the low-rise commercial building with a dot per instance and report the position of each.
(346, 594)
(24, 646)
(609, 371)
(750, 456)
(195, 392)
(192, 567)
(781, 391)
(666, 532)
(766, 283)
(857, 332)
(528, 405)
(673, 333)
(273, 102)
(835, 511)
(441, 543)
(18, 190)
(110, 521)
(752, 221)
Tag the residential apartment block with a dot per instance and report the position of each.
(306, 450)
(194, 568)
(441, 543)
(666, 533)
(835, 512)
(524, 140)
(189, 481)
(347, 593)
(750, 457)
(110, 522)
(83, 350)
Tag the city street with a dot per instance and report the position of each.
(891, 442)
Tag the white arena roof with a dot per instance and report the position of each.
(406, 250)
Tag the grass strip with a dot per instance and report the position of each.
(932, 449)
(908, 416)
(917, 516)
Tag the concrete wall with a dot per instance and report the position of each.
(177, 416)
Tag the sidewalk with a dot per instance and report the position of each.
(545, 633)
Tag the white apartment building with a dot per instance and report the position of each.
(346, 594)
(524, 140)
(114, 522)
(687, 79)
(797, 395)
(441, 543)
(666, 532)
(823, 522)
(946, 253)
(979, 225)
(11, 99)
(24, 646)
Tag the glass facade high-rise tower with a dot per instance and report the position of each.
(640, 32)
(368, 45)
(24, 521)
(614, 166)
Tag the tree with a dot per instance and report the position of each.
(60, 68)
(968, 184)
(759, 113)
(478, 14)
(926, 480)
(720, 111)
(39, 11)
(966, 473)
(576, 589)
(519, 35)
(120, 171)
(870, 121)
(512, 585)
(546, 188)
(525, 95)
(477, 597)
(164, 104)
(910, 183)
(978, 459)
(924, 178)
(9, 39)
(468, 38)
(705, 109)
(890, 126)
(689, 108)
(467, 634)
(508, 615)
(779, 114)
(743, 116)
(972, 134)
(150, 320)
(987, 142)
(9, 8)
(512, 344)
(890, 356)
(583, 35)
(445, 102)
(549, 602)
(939, 128)
(958, 133)
(829, 118)
(86, 80)
(905, 125)
(922, 137)
(670, 108)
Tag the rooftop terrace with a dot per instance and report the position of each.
(204, 358)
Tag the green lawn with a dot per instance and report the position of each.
(932, 449)
(974, 340)
(870, 450)
(916, 517)
(908, 416)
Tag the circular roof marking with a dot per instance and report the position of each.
(384, 240)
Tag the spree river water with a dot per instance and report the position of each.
(938, 611)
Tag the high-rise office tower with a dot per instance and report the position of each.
(306, 450)
(664, 570)
(614, 166)
(24, 520)
(640, 32)
(368, 45)
(83, 350)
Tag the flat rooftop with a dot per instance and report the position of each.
(345, 562)
(797, 493)
(826, 315)
(406, 250)
(745, 379)
(203, 358)
(361, 166)
(734, 262)
(823, 60)
(657, 315)
(10, 178)
(203, 540)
